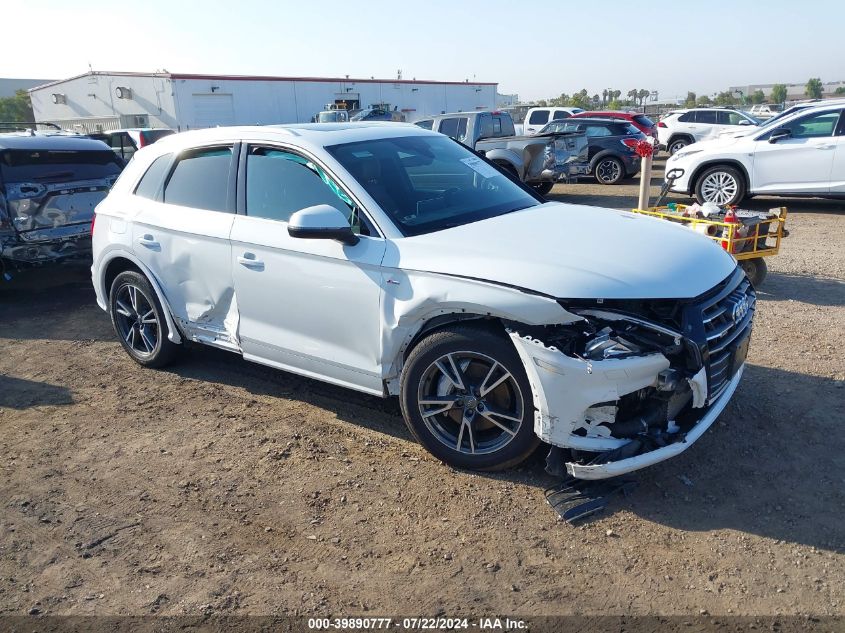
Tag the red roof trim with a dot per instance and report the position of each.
(350, 80)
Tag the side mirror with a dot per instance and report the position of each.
(744, 122)
(321, 222)
(779, 134)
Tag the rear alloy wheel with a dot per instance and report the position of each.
(721, 185)
(677, 144)
(609, 170)
(466, 398)
(543, 187)
(138, 320)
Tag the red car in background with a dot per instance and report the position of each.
(639, 121)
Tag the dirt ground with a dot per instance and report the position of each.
(219, 486)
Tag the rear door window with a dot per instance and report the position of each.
(539, 117)
(709, 117)
(201, 179)
(560, 114)
(455, 127)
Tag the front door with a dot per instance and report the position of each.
(837, 174)
(310, 306)
(801, 163)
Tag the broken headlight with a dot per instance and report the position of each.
(608, 344)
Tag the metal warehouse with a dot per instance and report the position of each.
(112, 100)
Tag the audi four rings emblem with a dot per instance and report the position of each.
(740, 309)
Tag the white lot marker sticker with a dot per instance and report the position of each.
(476, 164)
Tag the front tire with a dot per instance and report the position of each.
(466, 398)
(138, 320)
(609, 170)
(723, 185)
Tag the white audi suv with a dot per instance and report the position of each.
(392, 260)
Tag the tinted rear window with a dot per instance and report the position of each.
(643, 120)
(58, 165)
(201, 179)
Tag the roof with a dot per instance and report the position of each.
(177, 76)
(44, 142)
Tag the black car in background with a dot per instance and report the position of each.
(49, 186)
(611, 146)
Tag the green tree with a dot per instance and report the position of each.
(689, 102)
(562, 100)
(703, 100)
(642, 95)
(632, 95)
(814, 88)
(580, 99)
(778, 93)
(614, 105)
(758, 96)
(725, 98)
(17, 108)
(839, 91)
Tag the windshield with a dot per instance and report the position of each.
(429, 183)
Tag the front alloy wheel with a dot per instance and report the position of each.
(723, 186)
(466, 398)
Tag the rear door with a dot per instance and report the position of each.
(454, 127)
(180, 230)
(802, 163)
(706, 124)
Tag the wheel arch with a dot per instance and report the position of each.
(718, 162)
(676, 135)
(118, 262)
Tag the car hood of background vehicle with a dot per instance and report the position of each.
(575, 252)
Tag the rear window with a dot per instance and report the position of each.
(58, 165)
(643, 120)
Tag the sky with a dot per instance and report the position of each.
(535, 49)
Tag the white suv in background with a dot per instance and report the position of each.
(802, 154)
(680, 128)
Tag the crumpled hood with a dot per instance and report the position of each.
(573, 251)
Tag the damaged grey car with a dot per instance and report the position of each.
(49, 187)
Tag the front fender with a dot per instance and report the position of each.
(412, 298)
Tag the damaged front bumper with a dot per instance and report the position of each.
(578, 406)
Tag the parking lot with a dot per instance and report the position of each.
(222, 486)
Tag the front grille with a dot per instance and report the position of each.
(726, 318)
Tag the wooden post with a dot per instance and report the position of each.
(645, 182)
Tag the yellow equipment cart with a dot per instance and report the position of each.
(750, 237)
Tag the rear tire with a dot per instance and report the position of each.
(609, 170)
(756, 270)
(138, 320)
(465, 396)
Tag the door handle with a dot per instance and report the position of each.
(829, 146)
(149, 241)
(249, 260)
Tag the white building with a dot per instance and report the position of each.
(113, 100)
